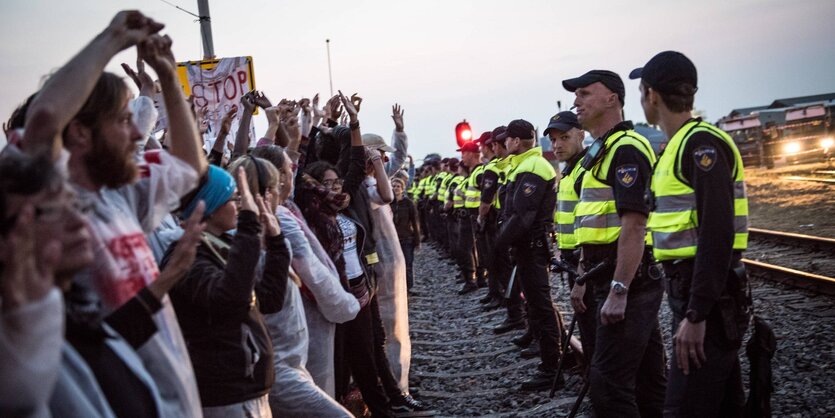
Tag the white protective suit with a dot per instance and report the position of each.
(330, 303)
(391, 287)
(294, 393)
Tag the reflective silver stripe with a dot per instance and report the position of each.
(677, 203)
(674, 240)
(565, 228)
(566, 205)
(602, 194)
(739, 190)
(610, 220)
(689, 237)
(740, 224)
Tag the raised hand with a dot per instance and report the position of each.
(156, 51)
(28, 272)
(141, 78)
(304, 104)
(267, 217)
(248, 102)
(247, 201)
(226, 120)
(318, 113)
(333, 108)
(349, 105)
(397, 117)
(356, 100)
(261, 100)
(183, 255)
(132, 27)
(272, 114)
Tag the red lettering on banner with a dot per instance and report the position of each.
(226, 83)
(242, 82)
(217, 91)
(197, 91)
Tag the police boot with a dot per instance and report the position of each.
(524, 340)
(542, 380)
(486, 299)
(494, 303)
(532, 350)
(509, 325)
(469, 284)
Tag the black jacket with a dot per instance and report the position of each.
(219, 307)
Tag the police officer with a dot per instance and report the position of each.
(494, 190)
(566, 135)
(470, 160)
(472, 201)
(484, 220)
(627, 373)
(699, 229)
(529, 206)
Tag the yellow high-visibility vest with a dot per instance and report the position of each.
(674, 221)
(596, 219)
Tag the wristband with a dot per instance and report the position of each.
(354, 125)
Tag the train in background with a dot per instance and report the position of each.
(793, 130)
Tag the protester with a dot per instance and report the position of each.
(407, 222)
(303, 331)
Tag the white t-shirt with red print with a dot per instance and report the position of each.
(124, 264)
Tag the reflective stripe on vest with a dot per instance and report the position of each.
(472, 194)
(567, 200)
(458, 191)
(443, 188)
(596, 218)
(674, 222)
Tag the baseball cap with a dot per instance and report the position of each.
(482, 140)
(517, 128)
(563, 122)
(469, 147)
(609, 79)
(666, 71)
(494, 136)
(375, 141)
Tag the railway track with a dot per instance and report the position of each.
(799, 260)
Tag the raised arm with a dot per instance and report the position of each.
(63, 95)
(242, 136)
(399, 140)
(185, 142)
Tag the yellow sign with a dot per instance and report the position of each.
(233, 78)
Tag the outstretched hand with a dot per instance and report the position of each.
(261, 100)
(248, 102)
(397, 117)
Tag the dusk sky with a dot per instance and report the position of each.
(486, 61)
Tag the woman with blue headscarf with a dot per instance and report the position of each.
(220, 303)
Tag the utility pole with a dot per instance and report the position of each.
(330, 74)
(206, 29)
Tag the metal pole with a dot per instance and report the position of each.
(206, 29)
(330, 74)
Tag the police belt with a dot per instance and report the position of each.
(648, 271)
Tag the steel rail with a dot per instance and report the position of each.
(797, 278)
(823, 242)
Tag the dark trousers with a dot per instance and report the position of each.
(481, 250)
(715, 389)
(487, 239)
(358, 353)
(504, 270)
(532, 273)
(408, 248)
(586, 321)
(628, 370)
(424, 224)
(465, 245)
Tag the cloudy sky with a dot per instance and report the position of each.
(486, 61)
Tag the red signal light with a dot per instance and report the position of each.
(463, 133)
